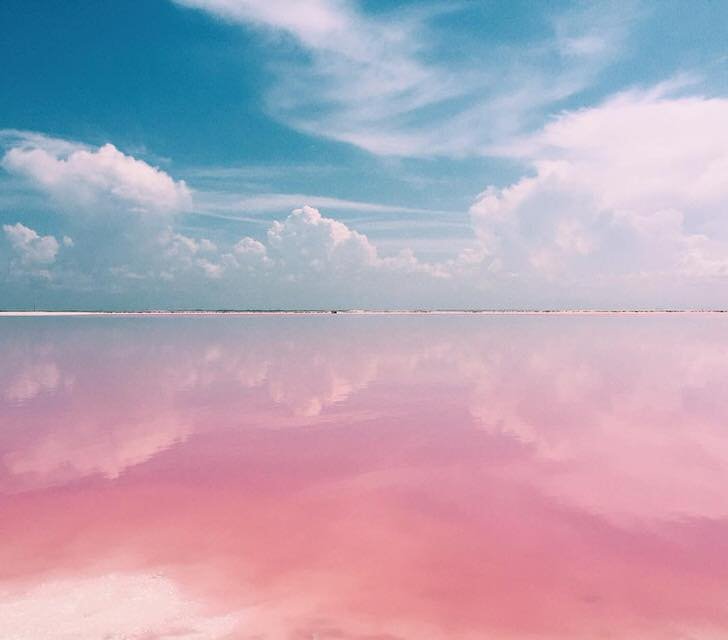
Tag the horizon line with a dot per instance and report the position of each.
(347, 311)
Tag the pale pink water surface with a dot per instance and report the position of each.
(364, 477)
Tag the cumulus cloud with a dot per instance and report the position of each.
(307, 244)
(211, 269)
(113, 206)
(180, 245)
(634, 187)
(183, 252)
(88, 178)
(304, 260)
(248, 246)
(32, 248)
(303, 244)
(309, 241)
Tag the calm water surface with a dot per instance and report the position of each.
(364, 477)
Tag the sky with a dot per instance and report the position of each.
(286, 154)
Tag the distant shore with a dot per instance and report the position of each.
(236, 312)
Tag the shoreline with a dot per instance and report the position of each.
(353, 312)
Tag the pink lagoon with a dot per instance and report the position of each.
(440, 348)
(388, 477)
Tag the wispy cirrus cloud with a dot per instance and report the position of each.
(219, 202)
(395, 84)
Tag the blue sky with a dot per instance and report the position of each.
(282, 154)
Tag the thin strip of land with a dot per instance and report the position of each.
(247, 312)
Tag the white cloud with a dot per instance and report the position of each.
(304, 244)
(248, 246)
(619, 199)
(309, 241)
(314, 23)
(184, 252)
(207, 246)
(635, 187)
(32, 248)
(182, 246)
(309, 245)
(374, 80)
(212, 201)
(304, 247)
(86, 178)
(211, 269)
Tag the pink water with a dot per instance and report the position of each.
(364, 477)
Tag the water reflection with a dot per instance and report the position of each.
(364, 477)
